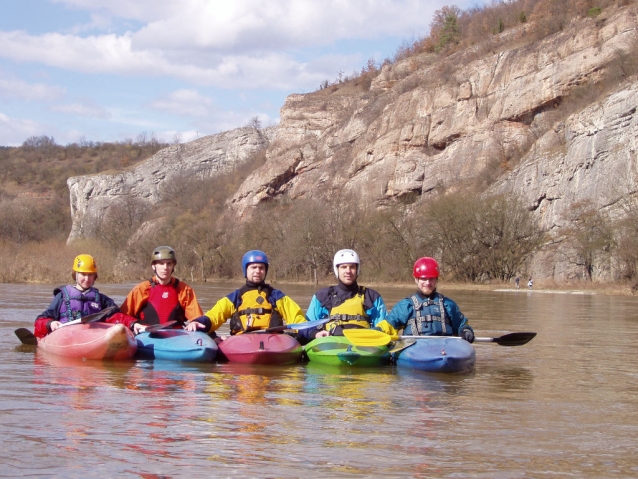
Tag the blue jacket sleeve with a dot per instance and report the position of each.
(400, 314)
(53, 311)
(315, 310)
(377, 312)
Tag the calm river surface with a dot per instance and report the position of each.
(563, 406)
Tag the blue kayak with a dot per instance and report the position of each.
(437, 354)
(176, 345)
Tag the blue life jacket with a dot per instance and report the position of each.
(429, 319)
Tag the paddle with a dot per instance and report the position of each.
(27, 337)
(295, 326)
(372, 337)
(401, 345)
(157, 327)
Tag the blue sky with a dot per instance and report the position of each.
(109, 70)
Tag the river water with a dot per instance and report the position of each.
(563, 406)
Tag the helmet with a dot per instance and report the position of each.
(84, 263)
(163, 252)
(254, 256)
(345, 256)
(426, 268)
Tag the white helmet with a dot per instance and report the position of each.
(345, 256)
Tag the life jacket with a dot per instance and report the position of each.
(163, 304)
(347, 314)
(76, 304)
(254, 310)
(429, 318)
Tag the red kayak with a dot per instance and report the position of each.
(256, 348)
(91, 341)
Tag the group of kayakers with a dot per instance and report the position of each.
(257, 305)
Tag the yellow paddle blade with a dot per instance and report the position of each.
(367, 337)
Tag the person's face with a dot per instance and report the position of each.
(256, 272)
(85, 280)
(426, 285)
(164, 269)
(347, 273)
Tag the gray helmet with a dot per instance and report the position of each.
(163, 252)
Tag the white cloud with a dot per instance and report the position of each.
(19, 89)
(13, 131)
(86, 109)
(185, 103)
(239, 44)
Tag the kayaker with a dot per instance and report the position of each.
(254, 306)
(351, 305)
(162, 298)
(427, 312)
(72, 302)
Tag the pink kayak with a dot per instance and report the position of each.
(91, 341)
(256, 348)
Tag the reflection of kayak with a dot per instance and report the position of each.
(256, 348)
(90, 341)
(176, 345)
(337, 351)
(437, 354)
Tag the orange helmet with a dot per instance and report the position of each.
(426, 268)
(84, 263)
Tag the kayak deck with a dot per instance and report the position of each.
(90, 341)
(176, 345)
(339, 351)
(258, 348)
(437, 354)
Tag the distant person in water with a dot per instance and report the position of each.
(162, 298)
(255, 306)
(427, 312)
(74, 301)
(348, 304)
(530, 283)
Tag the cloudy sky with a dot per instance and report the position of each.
(108, 70)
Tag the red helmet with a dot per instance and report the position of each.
(426, 268)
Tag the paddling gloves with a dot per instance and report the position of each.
(467, 334)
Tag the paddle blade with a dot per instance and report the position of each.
(157, 327)
(511, 339)
(367, 337)
(99, 316)
(401, 345)
(26, 337)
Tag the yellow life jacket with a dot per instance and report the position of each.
(350, 314)
(254, 311)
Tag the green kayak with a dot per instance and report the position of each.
(338, 351)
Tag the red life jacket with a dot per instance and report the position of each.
(162, 305)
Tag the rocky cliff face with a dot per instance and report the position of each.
(426, 126)
(92, 196)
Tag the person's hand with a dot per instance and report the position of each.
(138, 328)
(194, 325)
(322, 334)
(55, 325)
(467, 334)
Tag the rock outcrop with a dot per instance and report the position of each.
(92, 196)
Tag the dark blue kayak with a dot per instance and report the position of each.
(176, 345)
(437, 354)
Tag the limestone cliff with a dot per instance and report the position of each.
(91, 196)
